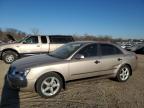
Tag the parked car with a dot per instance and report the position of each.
(32, 45)
(47, 73)
(127, 47)
(139, 50)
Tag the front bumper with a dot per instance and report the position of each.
(16, 81)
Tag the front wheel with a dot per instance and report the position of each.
(9, 56)
(123, 73)
(49, 85)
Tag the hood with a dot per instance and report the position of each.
(5, 45)
(34, 61)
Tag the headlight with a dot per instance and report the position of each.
(21, 73)
(26, 71)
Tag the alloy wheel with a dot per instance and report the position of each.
(124, 73)
(50, 86)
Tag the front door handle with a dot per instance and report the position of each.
(97, 62)
(119, 59)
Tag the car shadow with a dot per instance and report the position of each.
(10, 97)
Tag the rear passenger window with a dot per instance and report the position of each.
(107, 49)
(60, 39)
(43, 39)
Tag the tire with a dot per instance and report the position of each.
(49, 85)
(123, 73)
(9, 56)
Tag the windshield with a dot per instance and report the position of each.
(23, 39)
(66, 50)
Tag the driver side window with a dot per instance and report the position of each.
(89, 51)
(31, 40)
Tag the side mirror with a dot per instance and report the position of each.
(79, 56)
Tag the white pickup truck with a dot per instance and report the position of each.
(32, 45)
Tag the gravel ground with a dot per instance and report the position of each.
(88, 93)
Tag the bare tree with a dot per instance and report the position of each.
(35, 31)
(0, 32)
(11, 32)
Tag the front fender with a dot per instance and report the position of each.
(37, 72)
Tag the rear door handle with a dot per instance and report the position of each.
(119, 59)
(97, 62)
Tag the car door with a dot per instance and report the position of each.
(111, 57)
(30, 46)
(87, 66)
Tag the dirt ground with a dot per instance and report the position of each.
(88, 93)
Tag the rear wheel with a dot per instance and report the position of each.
(123, 74)
(9, 56)
(49, 85)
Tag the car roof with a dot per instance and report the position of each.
(89, 42)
